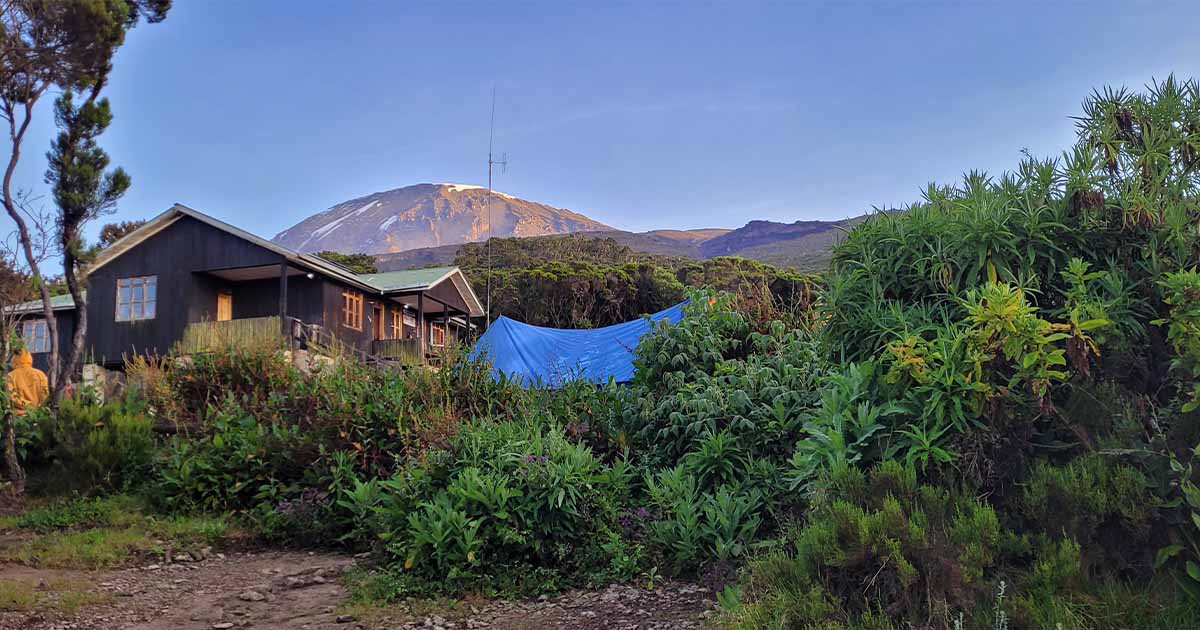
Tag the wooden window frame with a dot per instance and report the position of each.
(352, 310)
(397, 324)
(436, 327)
(146, 306)
(410, 322)
(30, 341)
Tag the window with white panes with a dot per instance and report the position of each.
(35, 336)
(137, 298)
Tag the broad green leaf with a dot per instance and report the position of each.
(1193, 570)
(1165, 554)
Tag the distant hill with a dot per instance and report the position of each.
(803, 245)
(427, 215)
(667, 242)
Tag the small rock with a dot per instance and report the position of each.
(153, 567)
(224, 625)
(344, 618)
(251, 596)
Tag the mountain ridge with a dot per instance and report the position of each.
(426, 224)
(428, 215)
(780, 244)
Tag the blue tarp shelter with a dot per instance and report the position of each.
(552, 356)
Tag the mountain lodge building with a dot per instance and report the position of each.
(187, 280)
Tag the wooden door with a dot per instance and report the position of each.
(378, 323)
(224, 307)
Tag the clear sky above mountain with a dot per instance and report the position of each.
(639, 115)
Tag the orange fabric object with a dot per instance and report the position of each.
(27, 385)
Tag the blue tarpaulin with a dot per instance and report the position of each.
(552, 356)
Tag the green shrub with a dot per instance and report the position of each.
(1182, 289)
(1057, 568)
(712, 376)
(710, 332)
(381, 414)
(694, 527)
(234, 467)
(843, 429)
(505, 498)
(1106, 507)
(96, 447)
(881, 542)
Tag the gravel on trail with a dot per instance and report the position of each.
(277, 590)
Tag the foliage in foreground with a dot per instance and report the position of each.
(988, 417)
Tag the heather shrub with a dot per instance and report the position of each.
(382, 415)
(1107, 508)
(880, 542)
(91, 447)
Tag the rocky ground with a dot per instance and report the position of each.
(296, 590)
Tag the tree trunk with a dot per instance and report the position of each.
(16, 135)
(75, 353)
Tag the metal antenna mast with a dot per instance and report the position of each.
(503, 164)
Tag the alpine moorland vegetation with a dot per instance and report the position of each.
(578, 281)
(987, 418)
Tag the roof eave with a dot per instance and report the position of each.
(178, 211)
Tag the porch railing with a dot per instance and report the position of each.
(268, 332)
(249, 332)
(406, 351)
(317, 338)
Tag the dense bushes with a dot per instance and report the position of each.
(577, 281)
(987, 418)
(1107, 507)
(1020, 323)
(90, 446)
(881, 543)
(501, 500)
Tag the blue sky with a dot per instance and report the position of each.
(641, 115)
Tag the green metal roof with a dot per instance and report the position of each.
(407, 279)
(58, 303)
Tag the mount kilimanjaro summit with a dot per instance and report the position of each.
(427, 215)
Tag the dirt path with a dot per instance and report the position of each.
(266, 590)
(274, 590)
